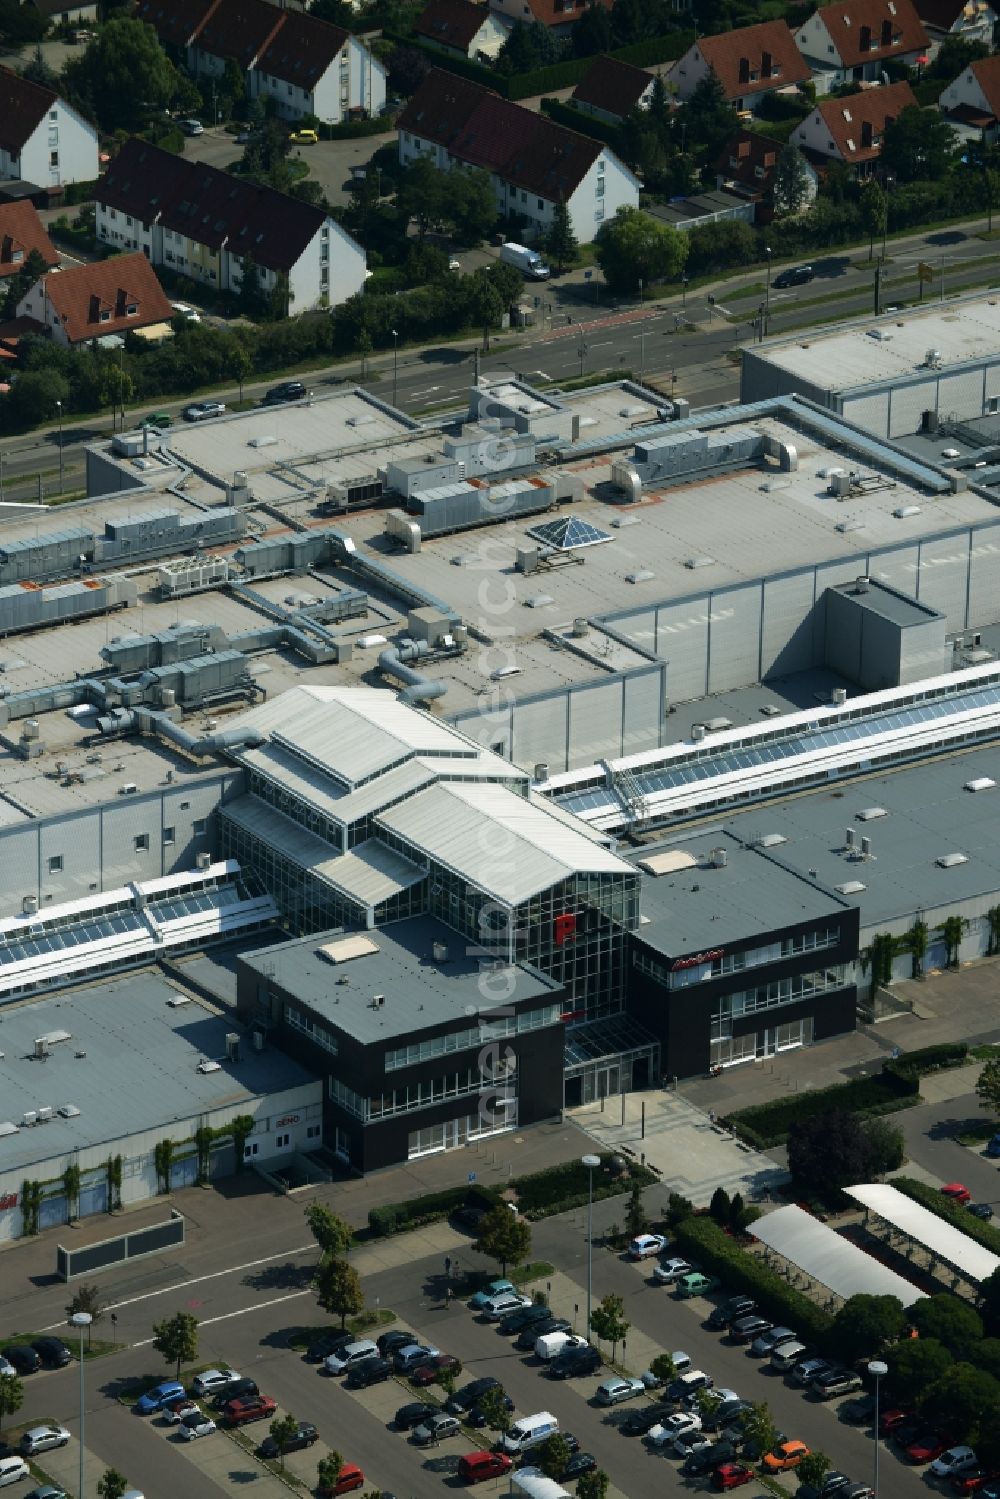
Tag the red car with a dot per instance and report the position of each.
(253, 1408)
(956, 1192)
(926, 1448)
(441, 1363)
(889, 1420)
(731, 1476)
(351, 1477)
(972, 1482)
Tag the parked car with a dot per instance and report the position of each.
(993, 1146)
(469, 1396)
(730, 1311)
(833, 1483)
(695, 1284)
(436, 1428)
(351, 1353)
(243, 1389)
(687, 1385)
(614, 1391)
(745, 1329)
(411, 1356)
(331, 1341)
(669, 1271)
(367, 1372)
(441, 1363)
(728, 1414)
(351, 1478)
(252, 1408)
(572, 1362)
(304, 138)
(388, 1343)
(973, 1480)
(47, 1491)
(12, 1470)
(414, 1414)
(524, 1318)
(213, 1381)
(681, 1362)
(201, 411)
(186, 311)
(53, 1352)
(304, 1437)
(288, 390)
(175, 1412)
(833, 1382)
(731, 1476)
(926, 1447)
(191, 127)
(579, 1463)
(785, 1456)
(859, 1411)
(980, 1210)
(646, 1246)
(638, 1422)
(43, 1439)
(956, 1192)
(889, 1420)
(707, 1459)
(161, 419)
(795, 276)
(691, 1441)
(528, 1336)
(478, 1300)
(808, 1369)
(908, 1432)
(956, 1460)
(474, 1467)
(196, 1424)
(507, 1301)
(159, 1396)
(23, 1357)
(667, 1432)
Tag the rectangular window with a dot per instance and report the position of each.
(250, 1150)
(282, 1141)
(55, 863)
(313, 1131)
(301, 1020)
(168, 837)
(17, 255)
(198, 827)
(141, 841)
(53, 158)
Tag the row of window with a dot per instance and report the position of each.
(301, 1020)
(453, 1133)
(485, 1030)
(495, 1092)
(752, 957)
(781, 992)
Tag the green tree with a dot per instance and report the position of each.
(914, 1365)
(813, 1469)
(885, 1144)
(468, 205)
(18, 286)
(11, 1395)
(608, 1321)
(918, 144)
(176, 1338)
(331, 1233)
(593, 1485)
(420, 194)
(113, 1485)
(872, 206)
(328, 1471)
(560, 242)
(239, 364)
(493, 1407)
(592, 32)
(719, 1206)
(954, 56)
(283, 1430)
(708, 116)
(865, 1325)
(338, 1289)
(678, 1208)
(86, 1298)
(365, 347)
(792, 184)
(20, 25)
(952, 1322)
(953, 928)
(337, 12)
(759, 1430)
(960, 1400)
(124, 76)
(988, 1356)
(828, 1151)
(553, 1455)
(989, 1290)
(635, 1212)
(634, 247)
(987, 1086)
(504, 1236)
(664, 1368)
(35, 394)
(528, 47)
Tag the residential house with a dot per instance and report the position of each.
(971, 20)
(104, 297)
(851, 130)
(609, 90)
(21, 231)
(65, 12)
(205, 224)
(750, 63)
(304, 65)
(43, 142)
(462, 28)
(558, 15)
(746, 166)
(853, 40)
(972, 102)
(533, 162)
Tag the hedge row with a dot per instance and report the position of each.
(559, 1189)
(929, 1058)
(701, 1239)
(396, 1217)
(769, 1124)
(953, 1213)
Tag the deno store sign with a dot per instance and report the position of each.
(696, 960)
(286, 1120)
(8, 1200)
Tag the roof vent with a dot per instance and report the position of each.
(903, 512)
(771, 840)
(869, 814)
(207, 1066)
(44, 1114)
(440, 951)
(29, 1119)
(951, 861)
(850, 887)
(69, 1111)
(7, 1128)
(232, 1046)
(980, 783)
(176, 1000)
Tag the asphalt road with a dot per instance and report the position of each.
(930, 1133)
(254, 1340)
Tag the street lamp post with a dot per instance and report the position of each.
(642, 354)
(877, 1369)
(81, 1320)
(395, 366)
(582, 351)
(684, 291)
(59, 409)
(767, 292)
(590, 1161)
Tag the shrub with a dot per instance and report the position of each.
(703, 1240)
(383, 1221)
(769, 1124)
(560, 1188)
(929, 1058)
(351, 129)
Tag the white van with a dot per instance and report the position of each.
(786, 1356)
(530, 1431)
(551, 1343)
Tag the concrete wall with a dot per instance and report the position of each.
(876, 652)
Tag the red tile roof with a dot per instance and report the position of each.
(452, 23)
(987, 74)
(941, 14)
(174, 21)
(22, 230)
(870, 30)
(240, 29)
(561, 12)
(302, 50)
(209, 206)
(23, 107)
(754, 59)
(479, 128)
(80, 295)
(616, 87)
(857, 123)
(742, 154)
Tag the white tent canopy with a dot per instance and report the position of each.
(830, 1258)
(533, 1483)
(924, 1227)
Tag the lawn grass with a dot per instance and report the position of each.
(304, 1337)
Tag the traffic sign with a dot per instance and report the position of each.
(472, 1177)
(925, 272)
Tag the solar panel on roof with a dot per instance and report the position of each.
(567, 533)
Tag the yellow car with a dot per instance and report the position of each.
(304, 138)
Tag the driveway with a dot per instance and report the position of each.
(329, 162)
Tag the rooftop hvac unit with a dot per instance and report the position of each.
(232, 1046)
(849, 836)
(932, 359)
(541, 770)
(838, 696)
(697, 732)
(44, 1114)
(440, 950)
(41, 1047)
(69, 1111)
(29, 1119)
(866, 848)
(720, 858)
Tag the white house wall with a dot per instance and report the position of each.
(814, 134)
(965, 90)
(345, 263)
(64, 134)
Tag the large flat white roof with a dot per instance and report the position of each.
(926, 1228)
(830, 1258)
